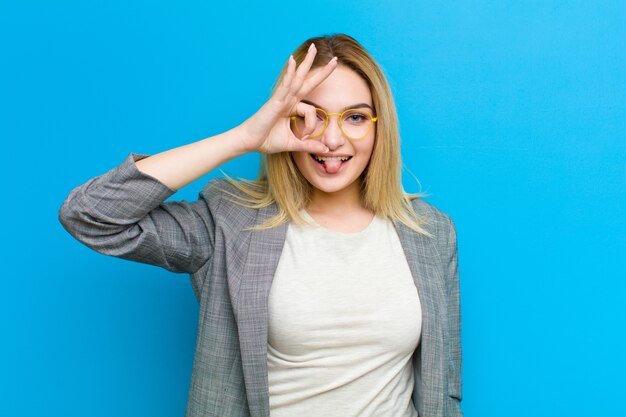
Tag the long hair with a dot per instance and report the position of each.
(279, 180)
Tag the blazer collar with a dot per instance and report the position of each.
(251, 312)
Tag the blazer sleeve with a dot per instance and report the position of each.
(122, 213)
(454, 317)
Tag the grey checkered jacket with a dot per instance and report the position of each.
(122, 213)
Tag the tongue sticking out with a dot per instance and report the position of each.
(332, 166)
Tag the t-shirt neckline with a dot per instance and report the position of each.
(346, 235)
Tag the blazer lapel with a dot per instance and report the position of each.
(251, 308)
(422, 256)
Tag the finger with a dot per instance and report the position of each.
(283, 89)
(317, 78)
(310, 121)
(310, 117)
(303, 69)
(307, 145)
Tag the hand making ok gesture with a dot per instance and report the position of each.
(268, 130)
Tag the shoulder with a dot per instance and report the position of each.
(216, 188)
(428, 210)
(221, 197)
(439, 223)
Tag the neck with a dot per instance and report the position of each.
(337, 203)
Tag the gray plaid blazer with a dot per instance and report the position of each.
(122, 213)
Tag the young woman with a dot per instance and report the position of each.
(324, 289)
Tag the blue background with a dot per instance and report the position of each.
(512, 118)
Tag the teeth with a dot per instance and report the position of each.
(331, 158)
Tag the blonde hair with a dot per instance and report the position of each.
(279, 180)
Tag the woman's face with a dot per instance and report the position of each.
(343, 89)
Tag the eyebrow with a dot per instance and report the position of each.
(353, 106)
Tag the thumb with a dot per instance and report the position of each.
(313, 146)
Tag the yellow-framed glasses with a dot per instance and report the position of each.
(354, 123)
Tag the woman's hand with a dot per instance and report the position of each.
(268, 131)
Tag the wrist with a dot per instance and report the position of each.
(246, 140)
(241, 139)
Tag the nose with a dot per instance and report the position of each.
(333, 137)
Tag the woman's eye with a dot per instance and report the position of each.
(356, 117)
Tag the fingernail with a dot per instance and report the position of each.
(311, 46)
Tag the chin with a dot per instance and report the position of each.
(330, 187)
(331, 184)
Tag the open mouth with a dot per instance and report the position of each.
(330, 165)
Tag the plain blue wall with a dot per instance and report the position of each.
(512, 117)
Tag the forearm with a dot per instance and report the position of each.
(180, 166)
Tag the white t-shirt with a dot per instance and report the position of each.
(344, 321)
